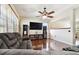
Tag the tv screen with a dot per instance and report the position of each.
(35, 26)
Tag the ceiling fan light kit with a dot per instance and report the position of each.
(44, 17)
(46, 14)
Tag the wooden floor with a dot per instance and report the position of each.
(56, 45)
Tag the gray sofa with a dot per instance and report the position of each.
(14, 44)
(14, 41)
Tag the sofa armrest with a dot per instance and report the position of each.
(29, 44)
(26, 44)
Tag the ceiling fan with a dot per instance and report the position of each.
(46, 14)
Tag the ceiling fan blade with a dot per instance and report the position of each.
(50, 16)
(40, 12)
(51, 12)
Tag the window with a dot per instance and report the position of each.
(2, 19)
(8, 20)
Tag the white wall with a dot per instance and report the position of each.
(62, 35)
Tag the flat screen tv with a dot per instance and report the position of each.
(35, 26)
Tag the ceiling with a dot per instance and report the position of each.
(31, 10)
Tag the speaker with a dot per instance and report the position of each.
(25, 30)
(45, 32)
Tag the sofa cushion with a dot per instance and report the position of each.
(18, 36)
(13, 41)
(4, 38)
(2, 45)
(8, 42)
(24, 45)
(29, 44)
(10, 35)
(15, 46)
(0, 42)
